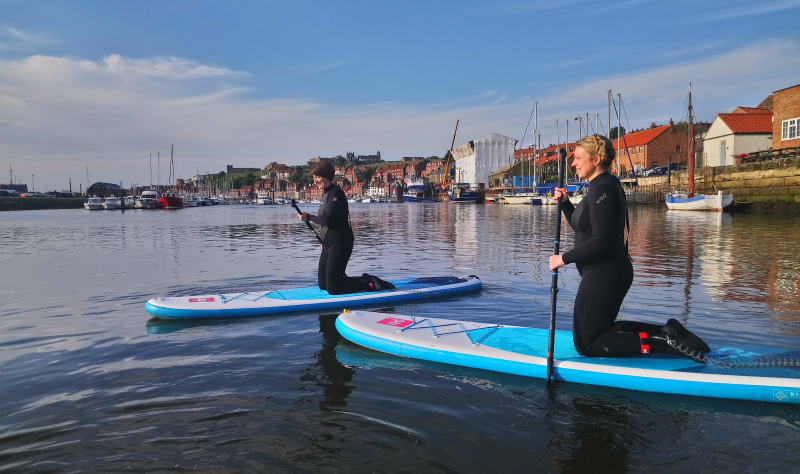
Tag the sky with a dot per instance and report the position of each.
(97, 90)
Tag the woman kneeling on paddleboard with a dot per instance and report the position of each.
(337, 238)
(601, 256)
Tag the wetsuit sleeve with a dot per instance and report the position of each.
(335, 211)
(603, 211)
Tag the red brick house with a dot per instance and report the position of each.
(655, 146)
(786, 114)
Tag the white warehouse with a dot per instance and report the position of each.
(477, 159)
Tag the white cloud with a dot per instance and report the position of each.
(14, 39)
(59, 115)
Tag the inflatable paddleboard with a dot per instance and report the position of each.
(733, 373)
(260, 303)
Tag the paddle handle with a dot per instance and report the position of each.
(562, 163)
(299, 212)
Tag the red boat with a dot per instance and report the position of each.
(170, 200)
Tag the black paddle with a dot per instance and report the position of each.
(562, 163)
(294, 205)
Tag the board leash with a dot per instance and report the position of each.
(749, 363)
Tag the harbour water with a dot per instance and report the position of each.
(88, 382)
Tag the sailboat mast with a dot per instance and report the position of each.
(619, 131)
(535, 131)
(691, 145)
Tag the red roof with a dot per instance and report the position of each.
(751, 110)
(748, 122)
(642, 137)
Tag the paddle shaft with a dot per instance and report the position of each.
(562, 163)
(294, 205)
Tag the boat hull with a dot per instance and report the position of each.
(407, 198)
(700, 202)
(170, 202)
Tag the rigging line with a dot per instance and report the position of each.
(522, 140)
(619, 133)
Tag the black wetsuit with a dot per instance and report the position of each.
(337, 243)
(601, 256)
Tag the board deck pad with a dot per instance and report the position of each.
(260, 303)
(759, 374)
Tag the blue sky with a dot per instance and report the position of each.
(103, 84)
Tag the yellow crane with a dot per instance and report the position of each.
(447, 166)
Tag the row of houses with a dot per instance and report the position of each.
(493, 160)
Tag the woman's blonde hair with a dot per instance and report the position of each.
(598, 145)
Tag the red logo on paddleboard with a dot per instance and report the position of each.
(399, 323)
(201, 300)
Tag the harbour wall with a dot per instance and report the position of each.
(766, 185)
(36, 203)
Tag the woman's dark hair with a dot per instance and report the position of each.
(323, 169)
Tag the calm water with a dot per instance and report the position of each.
(89, 383)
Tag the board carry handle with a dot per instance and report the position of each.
(299, 212)
(562, 163)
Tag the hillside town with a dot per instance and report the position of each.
(487, 168)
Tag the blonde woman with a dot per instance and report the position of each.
(601, 256)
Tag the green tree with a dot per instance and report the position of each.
(613, 134)
(366, 176)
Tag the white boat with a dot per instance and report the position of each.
(522, 198)
(148, 200)
(130, 202)
(367, 199)
(112, 203)
(280, 200)
(263, 199)
(681, 201)
(190, 201)
(689, 200)
(94, 204)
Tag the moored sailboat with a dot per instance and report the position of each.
(688, 200)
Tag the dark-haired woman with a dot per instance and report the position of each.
(333, 218)
(601, 256)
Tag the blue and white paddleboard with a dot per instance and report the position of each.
(734, 373)
(260, 303)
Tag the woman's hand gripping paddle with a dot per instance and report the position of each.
(562, 163)
(299, 212)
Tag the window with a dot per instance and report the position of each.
(789, 128)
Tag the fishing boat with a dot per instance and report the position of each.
(170, 200)
(94, 204)
(416, 192)
(463, 193)
(112, 203)
(688, 200)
